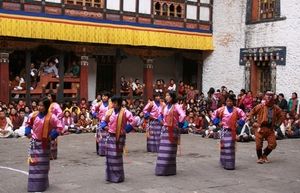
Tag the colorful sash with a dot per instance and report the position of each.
(170, 124)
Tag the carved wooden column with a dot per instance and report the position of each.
(4, 77)
(84, 63)
(148, 77)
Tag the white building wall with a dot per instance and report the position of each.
(221, 67)
(281, 33)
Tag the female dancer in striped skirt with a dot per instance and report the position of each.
(41, 127)
(99, 111)
(152, 111)
(117, 122)
(55, 110)
(229, 116)
(172, 119)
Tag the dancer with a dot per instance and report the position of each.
(45, 127)
(172, 119)
(228, 116)
(152, 111)
(99, 110)
(268, 116)
(115, 123)
(56, 110)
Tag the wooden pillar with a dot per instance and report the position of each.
(84, 64)
(148, 78)
(4, 77)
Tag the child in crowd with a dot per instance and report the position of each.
(82, 125)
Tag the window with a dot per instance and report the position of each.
(267, 9)
(87, 3)
(168, 8)
(263, 11)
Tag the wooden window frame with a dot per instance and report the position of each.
(259, 11)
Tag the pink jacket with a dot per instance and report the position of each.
(38, 125)
(113, 119)
(155, 111)
(178, 115)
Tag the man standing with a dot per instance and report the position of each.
(268, 115)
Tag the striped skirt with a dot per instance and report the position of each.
(54, 144)
(166, 158)
(38, 172)
(227, 153)
(114, 159)
(154, 138)
(102, 140)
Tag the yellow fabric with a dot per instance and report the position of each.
(119, 123)
(90, 32)
(46, 126)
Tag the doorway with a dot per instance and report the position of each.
(105, 78)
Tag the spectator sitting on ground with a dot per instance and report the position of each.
(82, 125)
(140, 120)
(159, 87)
(6, 130)
(171, 85)
(68, 123)
(13, 114)
(19, 124)
(242, 131)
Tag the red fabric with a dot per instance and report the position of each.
(170, 131)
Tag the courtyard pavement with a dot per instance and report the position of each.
(79, 170)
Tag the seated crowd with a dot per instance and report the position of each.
(198, 107)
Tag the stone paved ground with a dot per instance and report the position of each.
(79, 170)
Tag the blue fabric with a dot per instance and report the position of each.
(147, 115)
(216, 121)
(54, 134)
(94, 115)
(169, 106)
(128, 128)
(185, 124)
(116, 111)
(180, 124)
(230, 109)
(160, 118)
(241, 122)
(103, 124)
(105, 104)
(27, 130)
(157, 103)
(40, 115)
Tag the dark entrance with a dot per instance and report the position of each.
(105, 78)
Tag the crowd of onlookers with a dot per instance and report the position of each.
(198, 107)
